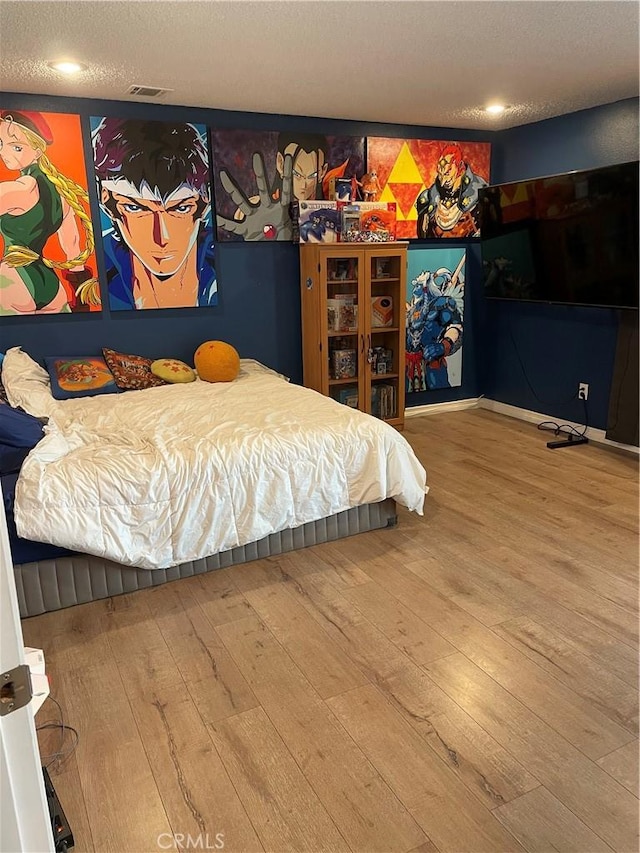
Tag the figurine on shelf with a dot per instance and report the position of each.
(355, 183)
(370, 186)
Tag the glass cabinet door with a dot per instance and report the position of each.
(385, 337)
(344, 327)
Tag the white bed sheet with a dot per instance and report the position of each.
(163, 476)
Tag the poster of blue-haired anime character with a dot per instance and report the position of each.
(154, 189)
(258, 174)
(435, 318)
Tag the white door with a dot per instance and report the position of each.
(24, 814)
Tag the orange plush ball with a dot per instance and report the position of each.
(217, 361)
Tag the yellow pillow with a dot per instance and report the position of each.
(172, 370)
(217, 361)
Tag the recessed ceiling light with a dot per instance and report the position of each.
(495, 109)
(67, 67)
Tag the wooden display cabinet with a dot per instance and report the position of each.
(353, 324)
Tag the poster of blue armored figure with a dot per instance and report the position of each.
(435, 318)
(154, 189)
(258, 175)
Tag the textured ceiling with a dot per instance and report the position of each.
(424, 63)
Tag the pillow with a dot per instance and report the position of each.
(217, 361)
(131, 372)
(27, 384)
(79, 376)
(18, 429)
(172, 370)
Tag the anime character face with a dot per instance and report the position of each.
(15, 149)
(161, 232)
(309, 169)
(450, 170)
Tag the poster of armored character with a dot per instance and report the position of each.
(434, 184)
(154, 188)
(259, 174)
(47, 265)
(435, 318)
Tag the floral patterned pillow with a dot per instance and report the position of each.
(131, 372)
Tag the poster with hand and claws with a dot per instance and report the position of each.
(257, 174)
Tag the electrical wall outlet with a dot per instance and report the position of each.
(583, 391)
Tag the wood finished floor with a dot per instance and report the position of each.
(465, 682)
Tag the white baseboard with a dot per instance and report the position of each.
(598, 436)
(438, 408)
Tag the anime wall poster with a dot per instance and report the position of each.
(434, 184)
(258, 173)
(47, 265)
(154, 188)
(435, 318)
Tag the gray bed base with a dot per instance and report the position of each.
(77, 578)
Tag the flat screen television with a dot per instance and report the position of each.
(569, 239)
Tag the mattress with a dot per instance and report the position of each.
(69, 578)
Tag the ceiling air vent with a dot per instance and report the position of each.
(147, 91)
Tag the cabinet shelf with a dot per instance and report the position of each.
(351, 381)
(363, 296)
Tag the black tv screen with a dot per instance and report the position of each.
(569, 238)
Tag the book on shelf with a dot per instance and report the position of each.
(383, 401)
(342, 312)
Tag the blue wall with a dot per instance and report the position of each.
(531, 356)
(259, 299)
(535, 355)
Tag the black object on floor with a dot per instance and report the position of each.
(568, 442)
(62, 835)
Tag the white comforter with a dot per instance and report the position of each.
(159, 477)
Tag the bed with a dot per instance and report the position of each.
(138, 488)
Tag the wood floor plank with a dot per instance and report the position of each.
(474, 757)
(399, 624)
(623, 765)
(363, 808)
(574, 630)
(112, 763)
(420, 779)
(345, 572)
(604, 805)
(617, 621)
(287, 812)
(196, 791)
(541, 823)
(593, 682)
(427, 847)
(580, 722)
(215, 684)
(319, 657)
(218, 596)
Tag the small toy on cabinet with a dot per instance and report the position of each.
(355, 183)
(370, 186)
